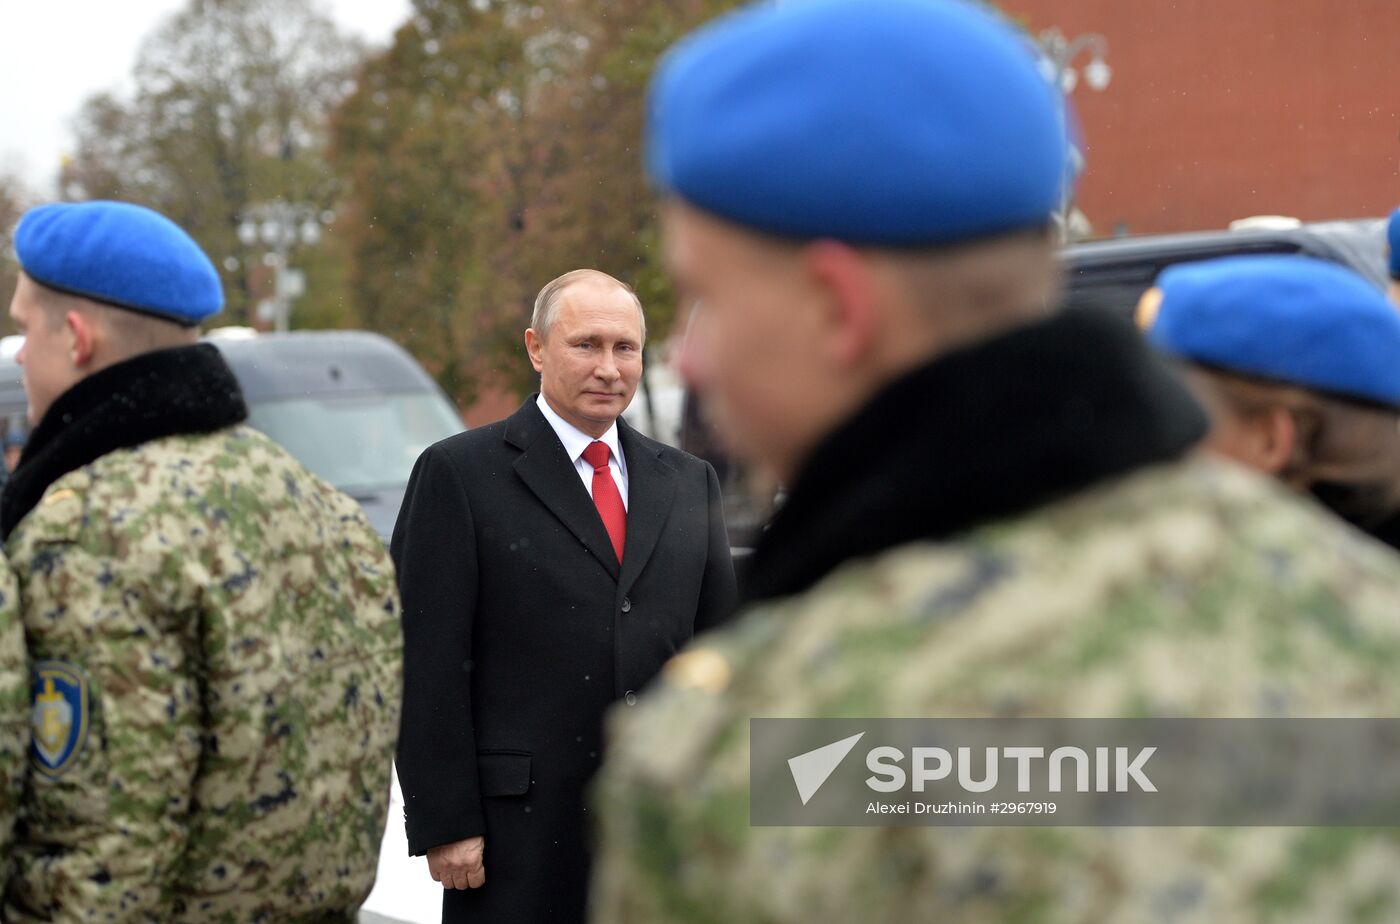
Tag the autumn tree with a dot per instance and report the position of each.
(229, 110)
(596, 208)
(495, 145)
(14, 199)
(434, 147)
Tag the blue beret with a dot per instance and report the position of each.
(120, 254)
(1293, 319)
(898, 122)
(1393, 233)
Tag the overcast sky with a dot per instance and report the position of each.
(56, 54)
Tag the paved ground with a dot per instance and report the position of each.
(369, 917)
(403, 893)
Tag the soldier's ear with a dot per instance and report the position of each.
(1277, 442)
(82, 338)
(1265, 439)
(841, 275)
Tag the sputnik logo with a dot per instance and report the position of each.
(814, 768)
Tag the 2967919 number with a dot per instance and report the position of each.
(1022, 808)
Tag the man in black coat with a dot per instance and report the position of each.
(549, 563)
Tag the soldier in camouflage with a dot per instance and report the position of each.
(14, 711)
(1294, 359)
(994, 509)
(213, 632)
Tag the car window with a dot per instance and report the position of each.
(358, 441)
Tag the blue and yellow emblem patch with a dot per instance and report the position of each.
(58, 718)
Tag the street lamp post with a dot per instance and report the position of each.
(280, 226)
(1057, 66)
(1060, 53)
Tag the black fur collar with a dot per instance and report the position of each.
(1387, 530)
(986, 432)
(163, 393)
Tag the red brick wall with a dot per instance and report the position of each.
(492, 404)
(1220, 109)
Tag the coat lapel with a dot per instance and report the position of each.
(549, 473)
(651, 484)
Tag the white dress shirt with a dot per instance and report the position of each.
(576, 441)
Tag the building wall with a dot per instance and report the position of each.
(1220, 109)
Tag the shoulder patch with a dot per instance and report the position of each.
(60, 514)
(59, 496)
(699, 669)
(58, 717)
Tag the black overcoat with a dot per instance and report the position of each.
(521, 629)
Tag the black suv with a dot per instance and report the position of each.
(1113, 274)
(352, 406)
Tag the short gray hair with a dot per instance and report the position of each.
(547, 302)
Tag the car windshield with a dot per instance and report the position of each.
(367, 441)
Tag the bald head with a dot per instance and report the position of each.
(548, 301)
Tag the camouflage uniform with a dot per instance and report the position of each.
(14, 710)
(235, 626)
(1186, 589)
(1015, 528)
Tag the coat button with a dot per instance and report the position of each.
(630, 698)
(626, 605)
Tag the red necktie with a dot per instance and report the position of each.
(606, 496)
